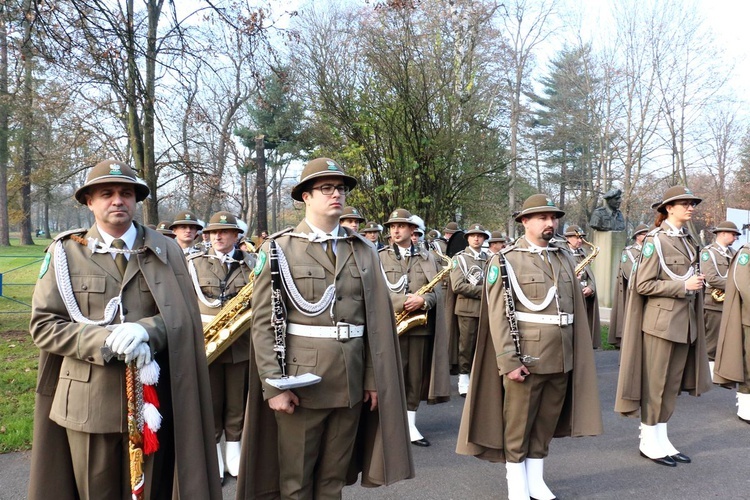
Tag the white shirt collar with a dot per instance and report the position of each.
(535, 248)
(128, 238)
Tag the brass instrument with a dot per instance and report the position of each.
(589, 258)
(407, 320)
(718, 295)
(230, 323)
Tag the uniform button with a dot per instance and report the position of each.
(67, 373)
(338, 277)
(338, 298)
(90, 359)
(309, 273)
(124, 310)
(84, 287)
(294, 360)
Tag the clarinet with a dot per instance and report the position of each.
(278, 314)
(510, 313)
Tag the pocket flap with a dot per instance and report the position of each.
(73, 369)
(354, 270)
(531, 334)
(302, 356)
(211, 281)
(662, 303)
(87, 283)
(531, 278)
(674, 259)
(308, 272)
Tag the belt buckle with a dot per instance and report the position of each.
(345, 328)
(564, 319)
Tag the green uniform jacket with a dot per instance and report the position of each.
(482, 422)
(659, 306)
(382, 452)
(729, 367)
(160, 275)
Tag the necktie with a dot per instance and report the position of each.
(120, 261)
(329, 252)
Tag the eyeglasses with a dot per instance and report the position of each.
(328, 189)
(687, 204)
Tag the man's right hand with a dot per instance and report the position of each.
(519, 374)
(286, 401)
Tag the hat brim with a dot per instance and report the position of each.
(218, 227)
(400, 220)
(141, 190)
(540, 210)
(469, 233)
(186, 223)
(303, 186)
(661, 206)
(718, 230)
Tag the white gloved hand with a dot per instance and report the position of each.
(141, 354)
(126, 337)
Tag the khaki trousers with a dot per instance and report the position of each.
(663, 365)
(315, 449)
(531, 410)
(414, 359)
(467, 342)
(712, 321)
(228, 397)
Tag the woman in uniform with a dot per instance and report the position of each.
(663, 344)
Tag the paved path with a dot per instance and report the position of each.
(605, 467)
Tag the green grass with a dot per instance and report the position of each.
(19, 266)
(606, 346)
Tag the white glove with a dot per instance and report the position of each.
(141, 355)
(126, 337)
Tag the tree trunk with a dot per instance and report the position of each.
(27, 126)
(260, 182)
(4, 131)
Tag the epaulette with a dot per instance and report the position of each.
(194, 255)
(509, 248)
(65, 235)
(280, 233)
(69, 233)
(385, 249)
(653, 232)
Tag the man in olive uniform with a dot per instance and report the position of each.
(715, 259)
(516, 405)
(630, 256)
(372, 231)
(496, 243)
(218, 275)
(574, 235)
(442, 241)
(407, 269)
(117, 289)
(351, 218)
(466, 279)
(186, 227)
(325, 313)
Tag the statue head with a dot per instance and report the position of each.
(613, 199)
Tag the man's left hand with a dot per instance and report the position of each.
(413, 302)
(372, 397)
(587, 291)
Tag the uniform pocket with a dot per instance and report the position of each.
(658, 313)
(301, 360)
(310, 281)
(72, 396)
(355, 283)
(89, 292)
(533, 286)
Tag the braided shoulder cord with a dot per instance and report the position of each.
(397, 287)
(62, 276)
(298, 301)
(551, 293)
(194, 277)
(670, 273)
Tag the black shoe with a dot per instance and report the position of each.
(681, 458)
(668, 461)
(746, 421)
(421, 442)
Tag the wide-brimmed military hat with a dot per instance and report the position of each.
(538, 204)
(640, 229)
(222, 220)
(400, 215)
(351, 213)
(163, 228)
(451, 227)
(433, 234)
(371, 227)
(726, 227)
(574, 230)
(320, 167)
(476, 229)
(496, 237)
(186, 218)
(676, 193)
(112, 171)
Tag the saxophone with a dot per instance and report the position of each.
(231, 322)
(589, 258)
(718, 295)
(405, 321)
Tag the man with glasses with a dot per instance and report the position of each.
(328, 310)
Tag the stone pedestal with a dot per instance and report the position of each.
(605, 265)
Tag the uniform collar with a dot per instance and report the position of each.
(128, 237)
